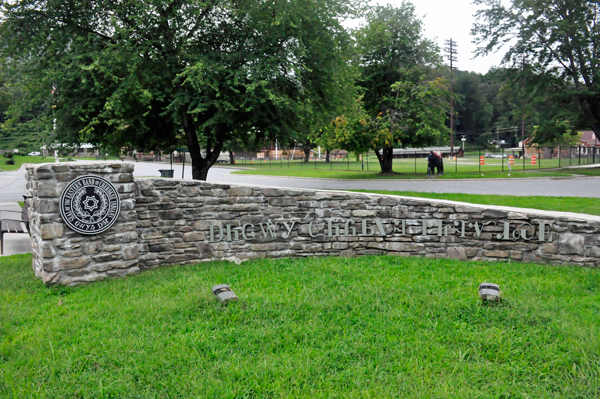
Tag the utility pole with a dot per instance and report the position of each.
(451, 53)
(523, 107)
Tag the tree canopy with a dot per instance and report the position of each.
(151, 75)
(554, 51)
(404, 100)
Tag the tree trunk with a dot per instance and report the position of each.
(306, 155)
(386, 159)
(231, 159)
(200, 165)
(327, 155)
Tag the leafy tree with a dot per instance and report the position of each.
(417, 118)
(154, 75)
(393, 59)
(327, 140)
(472, 106)
(353, 130)
(27, 133)
(559, 42)
(6, 99)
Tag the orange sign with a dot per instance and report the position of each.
(534, 159)
(511, 160)
(481, 160)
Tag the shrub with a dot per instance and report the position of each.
(8, 155)
(10, 161)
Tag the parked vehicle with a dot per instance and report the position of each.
(35, 153)
(223, 157)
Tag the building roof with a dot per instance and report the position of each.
(588, 138)
(86, 146)
(424, 150)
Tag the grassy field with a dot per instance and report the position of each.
(590, 206)
(370, 327)
(463, 168)
(20, 160)
(356, 175)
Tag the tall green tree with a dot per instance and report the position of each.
(472, 106)
(393, 51)
(152, 75)
(556, 45)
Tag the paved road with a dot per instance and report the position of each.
(12, 184)
(547, 187)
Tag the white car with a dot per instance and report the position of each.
(35, 153)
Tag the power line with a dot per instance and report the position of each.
(451, 53)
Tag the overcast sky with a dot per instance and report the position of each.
(445, 19)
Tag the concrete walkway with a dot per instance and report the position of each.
(14, 243)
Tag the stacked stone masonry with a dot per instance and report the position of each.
(170, 221)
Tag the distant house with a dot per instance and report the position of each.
(588, 139)
(299, 154)
(75, 150)
(424, 152)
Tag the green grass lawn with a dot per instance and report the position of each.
(587, 172)
(463, 168)
(357, 175)
(369, 327)
(590, 206)
(20, 160)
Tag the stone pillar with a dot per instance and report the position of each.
(64, 256)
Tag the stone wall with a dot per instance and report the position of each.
(62, 256)
(171, 221)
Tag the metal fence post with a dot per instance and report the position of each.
(502, 155)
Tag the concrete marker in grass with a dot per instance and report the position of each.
(224, 293)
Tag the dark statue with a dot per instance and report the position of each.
(435, 161)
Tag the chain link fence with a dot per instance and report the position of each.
(479, 160)
(472, 160)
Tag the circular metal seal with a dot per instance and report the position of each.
(90, 204)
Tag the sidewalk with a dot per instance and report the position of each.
(15, 243)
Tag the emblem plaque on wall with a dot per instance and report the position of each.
(90, 204)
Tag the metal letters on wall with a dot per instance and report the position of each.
(269, 231)
(90, 204)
